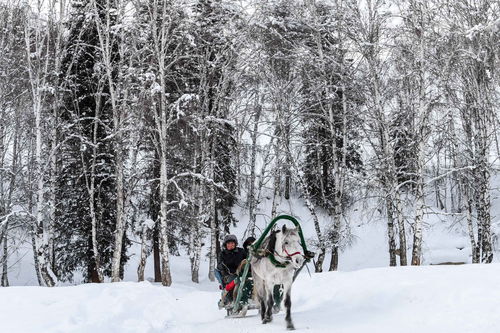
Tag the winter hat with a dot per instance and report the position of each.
(230, 238)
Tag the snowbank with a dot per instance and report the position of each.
(427, 299)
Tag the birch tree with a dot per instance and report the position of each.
(370, 41)
(38, 39)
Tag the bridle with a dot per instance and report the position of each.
(288, 256)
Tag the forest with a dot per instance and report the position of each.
(148, 122)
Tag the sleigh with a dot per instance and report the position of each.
(242, 300)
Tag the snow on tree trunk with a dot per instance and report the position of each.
(156, 252)
(401, 230)
(482, 186)
(195, 236)
(166, 278)
(470, 227)
(213, 221)
(146, 230)
(310, 206)
(418, 26)
(250, 231)
(37, 71)
(42, 238)
(107, 43)
(120, 220)
(5, 257)
(98, 276)
(390, 233)
(276, 180)
(195, 252)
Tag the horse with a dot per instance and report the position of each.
(286, 248)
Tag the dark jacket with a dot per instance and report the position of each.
(229, 261)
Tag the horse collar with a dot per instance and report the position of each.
(276, 262)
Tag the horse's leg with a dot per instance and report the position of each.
(270, 302)
(262, 309)
(265, 306)
(260, 290)
(288, 306)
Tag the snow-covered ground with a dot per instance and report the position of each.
(364, 296)
(438, 299)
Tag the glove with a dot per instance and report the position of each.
(232, 284)
(309, 255)
(228, 278)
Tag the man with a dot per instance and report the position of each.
(228, 262)
(229, 259)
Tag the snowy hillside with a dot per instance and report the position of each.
(440, 299)
(445, 240)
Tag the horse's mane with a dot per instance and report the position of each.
(269, 242)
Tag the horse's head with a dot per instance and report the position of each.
(288, 246)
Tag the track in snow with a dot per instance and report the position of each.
(411, 299)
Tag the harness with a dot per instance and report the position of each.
(259, 252)
(288, 258)
(255, 251)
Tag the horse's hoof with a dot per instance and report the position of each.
(290, 327)
(266, 320)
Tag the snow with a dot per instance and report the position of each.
(402, 299)
(364, 296)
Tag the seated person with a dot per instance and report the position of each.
(230, 258)
(249, 241)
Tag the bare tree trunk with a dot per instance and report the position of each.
(33, 239)
(37, 69)
(334, 262)
(470, 228)
(41, 235)
(418, 25)
(483, 202)
(97, 274)
(107, 42)
(276, 180)
(120, 199)
(312, 211)
(213, 222)
(5, 257)
(388, 178)
(4, 225)
(145, 232)
(390, 232)
(57, 21)
(156, 253)
(7, 201)
(250, 231)
(419, 212)
(166, 278)
(402, 231)
(196, 253)
(195, 235)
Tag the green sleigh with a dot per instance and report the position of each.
(242, 302)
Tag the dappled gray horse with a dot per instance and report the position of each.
(284, 256)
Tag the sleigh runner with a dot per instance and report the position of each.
(264, 248)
